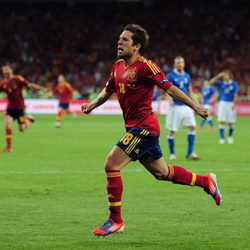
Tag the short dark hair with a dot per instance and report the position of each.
(140, 35)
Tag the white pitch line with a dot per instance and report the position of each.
(102, 171)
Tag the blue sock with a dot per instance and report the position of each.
(171, 144)
(221, 130)
(203, 121)
(230, 132)
(191, 140)
(210, 122)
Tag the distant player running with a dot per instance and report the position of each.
(64, 90)
(207, 93)
(179, 112)
(228, 97)
(133, 79)
(13, 85)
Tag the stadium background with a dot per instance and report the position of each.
(42, 39)
(52, 191)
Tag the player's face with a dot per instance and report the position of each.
(60, 78)
(227, 77)
(179, 64)
(125, 47)
(7, 71)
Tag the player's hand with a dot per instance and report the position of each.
(86, 108)
(233, 106)
(202, 112)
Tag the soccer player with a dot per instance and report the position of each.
(207, 93)
(179, 112)
(64, 90)
(13, 85)
(133, 79)
(228, 97)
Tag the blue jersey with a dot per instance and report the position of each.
(227, 90)
(182, 82)
(207, 92)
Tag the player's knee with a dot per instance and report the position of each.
(160, 176)
(109, 164)
(21, 128)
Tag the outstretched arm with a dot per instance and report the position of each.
(180, 96)
(216, 78)
(36, 87)
(100, 99)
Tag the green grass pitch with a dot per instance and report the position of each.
(52, 190)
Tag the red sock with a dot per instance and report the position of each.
(114, 190)
(180, 175)
(27, 122)
(8, 134)
(59, 116)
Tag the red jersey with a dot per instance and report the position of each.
(13, 88)
(134, 86)
(64, 90)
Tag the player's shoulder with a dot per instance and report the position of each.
(18, 78)
(118, 62)
(149, 65)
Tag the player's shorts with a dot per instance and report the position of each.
(16, 114)
(139, 144)
(178, 114)
(64, 105)
(226, 113)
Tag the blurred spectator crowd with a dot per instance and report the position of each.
(79, 40)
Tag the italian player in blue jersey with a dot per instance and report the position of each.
(179, 112)
(228, 97)
(207, 94)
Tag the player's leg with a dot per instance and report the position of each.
(178, 175)
(23, 122)
(190, 123)
(172, 156)
(172, 124)
(115, 161)
(59, 116)
(231, 121)
(8, 132)
(222, 111)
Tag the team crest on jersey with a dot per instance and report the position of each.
(132, 75)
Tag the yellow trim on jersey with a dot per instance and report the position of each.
(113, 174)
(193, 180)
(19, 77)
(115, 204)
(150, 64)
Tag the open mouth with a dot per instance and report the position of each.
(119, 49)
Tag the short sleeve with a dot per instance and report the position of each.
(22, 81)
(236, 88)
(110, 85)
(155, 76)
(218, 84)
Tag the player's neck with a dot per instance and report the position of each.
(180, 71)
(131, 59)
(9, 76)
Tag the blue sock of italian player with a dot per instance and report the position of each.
(191, 140)
(114, 190)
(171, 144)
(203, 121)
(210, 121)
(221, 130)
(230, 132)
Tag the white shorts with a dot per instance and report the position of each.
(226, 113)
(179, 114)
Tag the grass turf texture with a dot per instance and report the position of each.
(52, 191)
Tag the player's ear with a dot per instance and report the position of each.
(138, 47)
